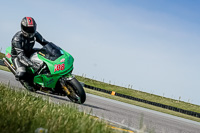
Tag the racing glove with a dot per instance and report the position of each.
(35, 67)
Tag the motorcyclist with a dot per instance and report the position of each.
(22, 48)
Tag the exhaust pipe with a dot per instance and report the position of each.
(6, 62)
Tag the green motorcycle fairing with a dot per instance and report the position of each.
(58, 68)
(62, 66)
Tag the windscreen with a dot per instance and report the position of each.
(51, 51)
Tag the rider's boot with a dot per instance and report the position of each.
(28, 86)
(26, 82)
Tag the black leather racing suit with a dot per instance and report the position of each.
(22, 48)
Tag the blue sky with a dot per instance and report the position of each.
(152, 45)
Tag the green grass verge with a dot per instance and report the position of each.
(4, 68)
(140, 94)
(22, 112)
(1, 55)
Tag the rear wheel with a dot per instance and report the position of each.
(74, 91)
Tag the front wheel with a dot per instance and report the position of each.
(74, 91)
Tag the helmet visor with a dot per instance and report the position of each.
(29, 29)
(29, 35)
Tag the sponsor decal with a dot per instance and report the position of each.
(8, 55)
(41, 54)
(59, 67)
(50, 81)
(69, 60)
(62, 60)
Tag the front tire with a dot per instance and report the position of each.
(77, 93)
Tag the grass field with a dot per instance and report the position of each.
(20, 112)
(4, 68)
(1, 55)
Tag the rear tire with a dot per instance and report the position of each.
(77, 92)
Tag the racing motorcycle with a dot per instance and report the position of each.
(55, 74)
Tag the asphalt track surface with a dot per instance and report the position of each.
(122, 114)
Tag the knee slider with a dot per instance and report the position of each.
(20, 75)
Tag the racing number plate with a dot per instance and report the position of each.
(59, 67)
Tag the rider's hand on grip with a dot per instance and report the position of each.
(35, 67)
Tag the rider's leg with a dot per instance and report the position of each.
(20, 69)
(21, 74)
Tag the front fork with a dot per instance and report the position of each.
(63, 82)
